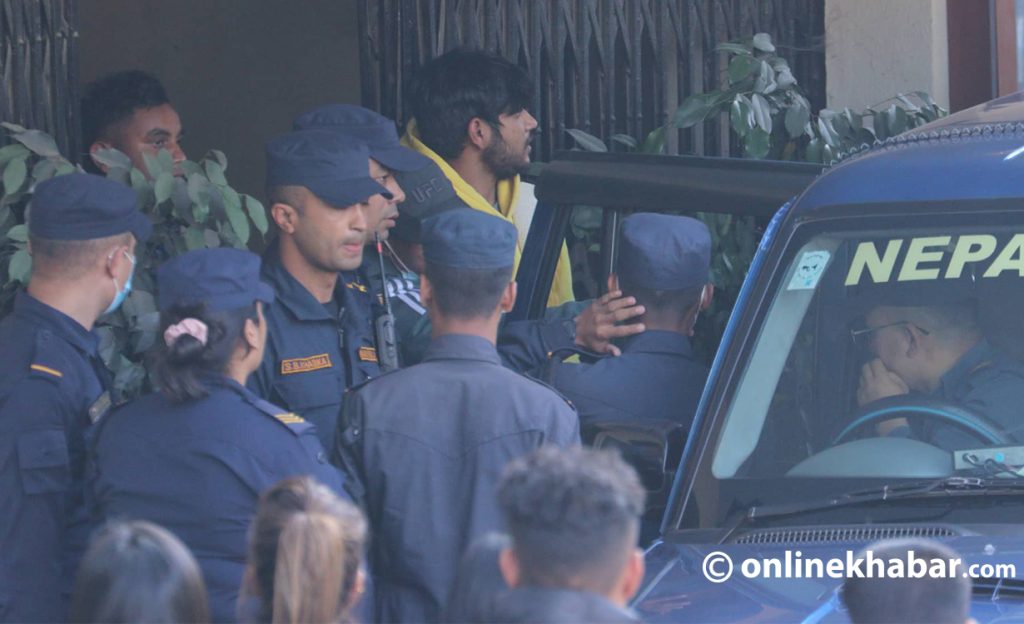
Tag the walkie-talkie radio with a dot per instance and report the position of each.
(387, 343)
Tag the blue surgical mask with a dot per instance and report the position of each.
(122, 294)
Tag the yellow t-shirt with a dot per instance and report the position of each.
(508, 198)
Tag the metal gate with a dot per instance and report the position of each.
(39, 65)
(604, 66)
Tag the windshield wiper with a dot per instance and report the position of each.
(946, 486)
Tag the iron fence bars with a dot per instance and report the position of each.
(604, 66)
(39, 65)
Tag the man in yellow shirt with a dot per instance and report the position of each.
(469, 115)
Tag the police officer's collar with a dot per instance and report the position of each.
(291, 293)
(659, 341)
(34, 310)
(981, 356)
(462, 347)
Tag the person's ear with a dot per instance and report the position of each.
(508, 297)
(426, 292)
(95, 147)
(117, 264)
(913, 337)
(632, 577)
(613, 282)
(251, 334)
(285, 217)
(707, 296)
(479, 133)
(509, 566)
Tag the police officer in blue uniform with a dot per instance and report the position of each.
(83, 232)
(664, 263)
(321, 192)
(388, 156)
(428, 442)
(195, 456)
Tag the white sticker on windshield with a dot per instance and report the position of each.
(809, 270)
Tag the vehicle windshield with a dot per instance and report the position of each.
(887, 354)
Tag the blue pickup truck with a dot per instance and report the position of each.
(870, 382)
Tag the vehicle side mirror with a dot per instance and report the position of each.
(652, 447)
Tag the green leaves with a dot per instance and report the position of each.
(20, 266)
(763, 42)
(162, 188)
(742, 66)
(14, 176)
(257, 213)
(586, 141)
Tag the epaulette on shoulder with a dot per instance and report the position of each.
(295, 423)
(47, 360)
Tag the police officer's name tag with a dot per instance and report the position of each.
(99, 407)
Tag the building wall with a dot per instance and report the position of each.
(237, 71)
(875, 49)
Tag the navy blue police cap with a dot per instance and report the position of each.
(363, 124)
(222, 279)
(469, 239)
(80, 206)
(428, 192)
(664, 252)
(334, 169)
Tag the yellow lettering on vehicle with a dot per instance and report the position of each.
(1011, 258)
(972, 248)
(866, 257)
(917, 255)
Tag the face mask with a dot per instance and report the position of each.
(122, 294)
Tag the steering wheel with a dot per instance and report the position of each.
(929, 408)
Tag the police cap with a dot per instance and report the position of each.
(80, 206)
(334, 169)
(428, 192)
(469, 239)
(223, 279)
(664, 252)
(367, 126)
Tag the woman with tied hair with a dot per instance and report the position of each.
(195, 456)
(305, 552)
(138, 572)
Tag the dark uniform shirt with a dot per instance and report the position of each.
(987, 382)
(428, 444)
(50, 376)
(198, 468)
(656, 377)
(312, 355)
(523, 345)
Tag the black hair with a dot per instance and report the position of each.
(467, 293)
(71, 259)
(180, 366)
(138, 572)
(573, 514)
(936, 600)
(114, 98)
(478, 580)
(450, 90)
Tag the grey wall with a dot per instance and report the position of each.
(237, 71)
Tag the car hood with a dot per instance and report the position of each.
(676, 590)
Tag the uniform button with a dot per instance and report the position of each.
(320, 457)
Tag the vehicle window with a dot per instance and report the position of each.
(891, 353)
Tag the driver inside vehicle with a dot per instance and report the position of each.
(939, 351)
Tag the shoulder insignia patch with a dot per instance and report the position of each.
(46, 370)
(289, 418)
(367, 354)
(305, 364)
